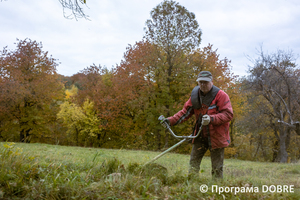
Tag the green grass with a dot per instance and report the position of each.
(41, 171)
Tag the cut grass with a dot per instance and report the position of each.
(42, 171)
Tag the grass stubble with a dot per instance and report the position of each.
(42, 171)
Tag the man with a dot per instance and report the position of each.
(211, 107)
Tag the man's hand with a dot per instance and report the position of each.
(205, 120)
(165, 122)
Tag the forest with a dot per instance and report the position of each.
(118, 108)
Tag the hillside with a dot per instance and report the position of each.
(41, 171)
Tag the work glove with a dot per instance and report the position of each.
(164, 122)
(205, 120)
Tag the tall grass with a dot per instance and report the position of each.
(41, 171)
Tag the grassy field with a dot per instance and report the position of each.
(41, 171)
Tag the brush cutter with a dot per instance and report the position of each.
(185, 138)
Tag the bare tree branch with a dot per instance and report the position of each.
(75, 7)
(287, 124)
(286, 106)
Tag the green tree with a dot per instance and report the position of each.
(173, 28)
(175, 33)
(72, 117)
(82, 123)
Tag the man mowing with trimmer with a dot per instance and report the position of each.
(211, 107)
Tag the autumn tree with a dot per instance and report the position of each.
(81, 112)
(274, 79)
(120, 94)
(29, 89)
(139, 71)
(95, 83)
(87, 81)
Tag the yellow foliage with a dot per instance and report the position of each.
(11, 150)
(71, 92)
(230, 152)
(81, 122)
(9, 145)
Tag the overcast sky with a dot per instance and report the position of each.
(235, 28)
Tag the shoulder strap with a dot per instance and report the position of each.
(195, 98)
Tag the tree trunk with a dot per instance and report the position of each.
(298, 128)
(282, 154)
(262, 148)
(288, 138)
(24, 135)
(275, 151)
(258, 145)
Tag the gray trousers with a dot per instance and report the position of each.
(217, 158)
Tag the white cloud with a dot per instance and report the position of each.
(235, 28)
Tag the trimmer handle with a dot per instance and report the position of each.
(163, 122)
(161, 119)
(167, 126)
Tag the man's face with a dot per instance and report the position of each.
(205, 86)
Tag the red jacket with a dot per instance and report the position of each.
(220, 112)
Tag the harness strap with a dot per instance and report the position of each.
(195, 98)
